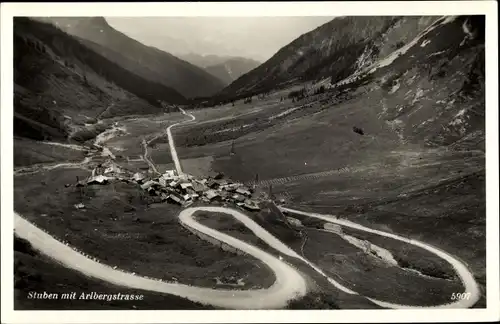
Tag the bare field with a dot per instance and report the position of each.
(295, 143)
(136, 165)
(35, 272)
(28, 152)
(372, 277)
(139, 128)
(449, 214)
(198, 167)
(225, 112)
(392, 176)
(322, 294)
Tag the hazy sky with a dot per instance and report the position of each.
(253, 37)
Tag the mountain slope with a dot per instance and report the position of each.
(59, 84)
(426, 93)
(333, 48)
(435, 85)
(204, 61)
(232, 69)
(154, 65)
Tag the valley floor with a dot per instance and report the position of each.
(434, 195)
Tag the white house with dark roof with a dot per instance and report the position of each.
(186, 185)
(175, 198)
(199, 187)
(243, 191)
(251, 205)
(211, 194)
(169, 174)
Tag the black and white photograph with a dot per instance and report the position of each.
(249, 162)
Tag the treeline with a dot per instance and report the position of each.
(26, 68)
(220, 100)
(344, 62)
(67, 46)
(220, 131)
(29, 128)
(303, 93)
(233, 129)
(340, 65)
(216, 133)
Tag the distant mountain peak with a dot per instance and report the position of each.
(232, 69)
(70, 24)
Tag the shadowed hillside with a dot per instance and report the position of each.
(148, 62)
(60, 84)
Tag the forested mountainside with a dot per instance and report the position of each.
(59, 84)
(335, 48)
(422, 77)
(148, 62)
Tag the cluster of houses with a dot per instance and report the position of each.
(183, 189)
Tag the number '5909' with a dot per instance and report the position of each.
(460, 296)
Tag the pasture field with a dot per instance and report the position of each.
(121, 226)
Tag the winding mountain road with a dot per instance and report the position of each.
(289, 283)
(466, 277)
(171, 142)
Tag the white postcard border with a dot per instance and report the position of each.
(489, 8)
